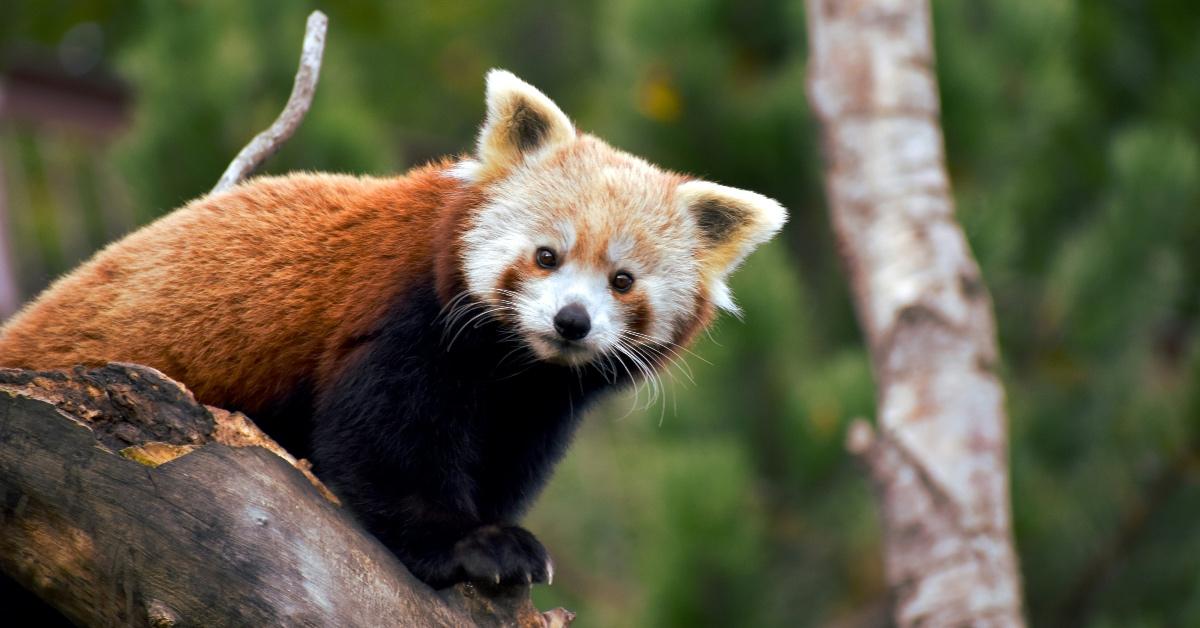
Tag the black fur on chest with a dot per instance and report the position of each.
(456, 426)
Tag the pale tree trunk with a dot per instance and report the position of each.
(939, 458)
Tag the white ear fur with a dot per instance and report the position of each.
(521, 122)
(730, 223)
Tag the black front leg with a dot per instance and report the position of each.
(401, 450)
(442, 547)
(502, 554)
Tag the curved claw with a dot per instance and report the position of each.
(500, 554)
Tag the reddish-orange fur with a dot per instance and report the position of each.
(322, 305)
(208, 295)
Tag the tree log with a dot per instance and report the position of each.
(940, 459)
(123, 501)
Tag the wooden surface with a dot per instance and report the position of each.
(217, 535)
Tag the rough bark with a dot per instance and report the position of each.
(125, 502)
(305, 85)
(939, 457)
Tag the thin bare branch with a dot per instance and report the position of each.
(266, 143)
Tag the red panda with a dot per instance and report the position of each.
(430, 340)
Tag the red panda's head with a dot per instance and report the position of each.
(589, 251)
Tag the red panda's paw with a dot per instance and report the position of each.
(503, 554)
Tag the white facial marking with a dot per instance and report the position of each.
(601, 211)
(597, 198)
(566, 235)
(572, 283)
(620, 250)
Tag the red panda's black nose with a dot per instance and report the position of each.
(572, 322)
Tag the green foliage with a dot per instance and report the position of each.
(1071, 131)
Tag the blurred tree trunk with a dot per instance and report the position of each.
(939, 458)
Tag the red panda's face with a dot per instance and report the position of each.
(587, 251)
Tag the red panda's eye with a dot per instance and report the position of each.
(622, 281)
(546, 258)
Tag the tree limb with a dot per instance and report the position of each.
(267, 142)
(125, 502)
(939, 458)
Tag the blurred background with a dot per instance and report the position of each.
(1073, 140)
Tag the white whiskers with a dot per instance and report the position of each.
(639, 357)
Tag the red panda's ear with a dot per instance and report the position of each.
(730, 223)
(521, 122)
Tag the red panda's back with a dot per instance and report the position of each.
(243, 294)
